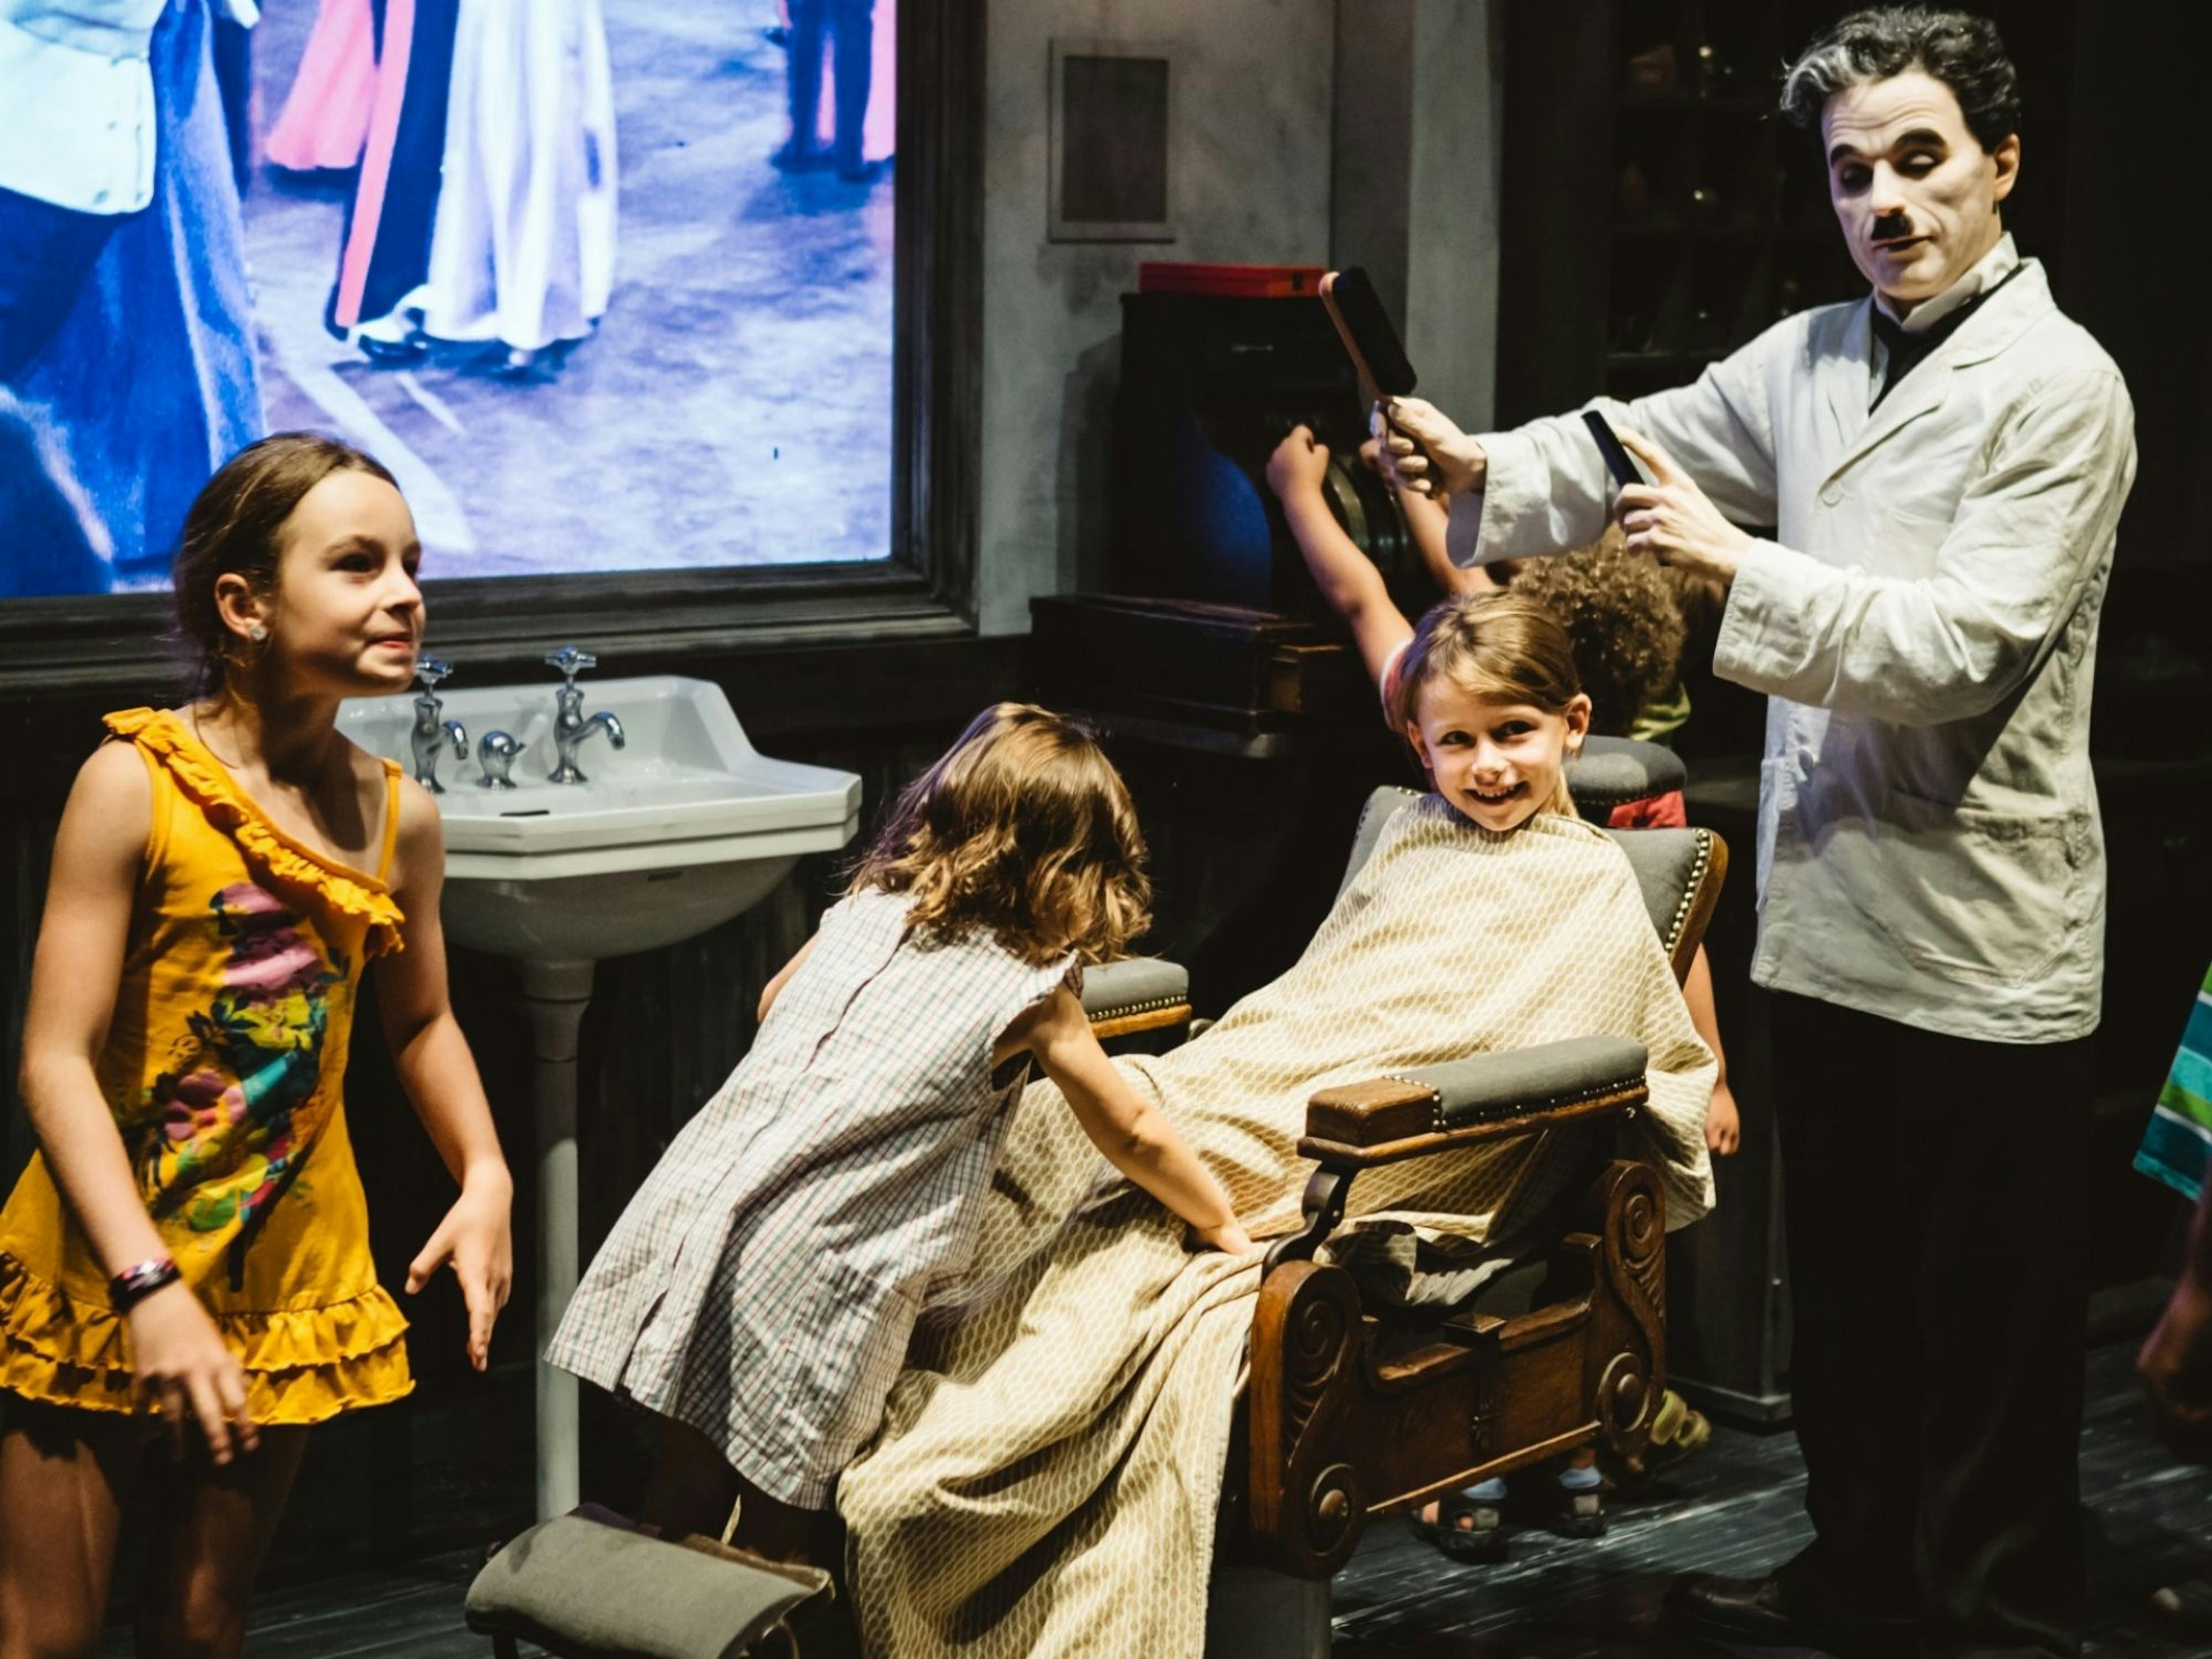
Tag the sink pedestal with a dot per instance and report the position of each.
(690, 826)
(555, 992)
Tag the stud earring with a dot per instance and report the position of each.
(258, 633)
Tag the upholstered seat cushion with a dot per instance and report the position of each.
(585, 1589)
(1135, 984)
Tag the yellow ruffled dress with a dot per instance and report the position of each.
(225, 1067)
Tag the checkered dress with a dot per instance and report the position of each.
(762, 1284)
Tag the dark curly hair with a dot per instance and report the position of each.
(1959, 49)
(1624, 622)
(1024, 831)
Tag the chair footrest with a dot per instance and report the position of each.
(583, 1586)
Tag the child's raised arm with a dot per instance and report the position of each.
(773, 988)
(1135, 1139)
(1347, 577)
(440, 1076)
(182, 1366)
(1426, 518)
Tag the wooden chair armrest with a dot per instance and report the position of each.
(1494, 1096)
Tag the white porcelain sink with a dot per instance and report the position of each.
(682, 829)
(686, 827)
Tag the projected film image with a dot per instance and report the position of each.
(607, 286)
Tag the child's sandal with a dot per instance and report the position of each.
(1569, 1509)
(1679, 1431)
(1481, 1540)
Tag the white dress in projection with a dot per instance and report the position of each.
(523, 250)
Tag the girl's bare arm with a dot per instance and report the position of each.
(773, 988)
(1723, 1128)
(181, 1365)
(1124, 1126)
(98, 851)
(1427, 517)
(439, 1075)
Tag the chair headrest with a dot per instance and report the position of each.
(1669, 864)
(1611, 772)
(1373, 817)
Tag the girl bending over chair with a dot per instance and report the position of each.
(759, 1291)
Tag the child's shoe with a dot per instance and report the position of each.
(1470, 1524)
(1679, 1431)
(1573, 1502)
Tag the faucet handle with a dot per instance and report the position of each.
(431, 670)
(570, 662)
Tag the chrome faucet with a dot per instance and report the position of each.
(570, 727)
(431, 735)
(495, 753)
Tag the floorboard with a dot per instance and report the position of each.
(1736, 1508)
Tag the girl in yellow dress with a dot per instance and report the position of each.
(191, 1244)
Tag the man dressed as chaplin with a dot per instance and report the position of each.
(1945, 462)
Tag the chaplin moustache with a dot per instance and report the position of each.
(1889, 226)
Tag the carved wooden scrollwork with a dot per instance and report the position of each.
(1635, 1242)
(1634, 1236)
(1307, 1504)
(1334, 1508)
(1625, 1398)
(1322, 1211)
(1314, 1350)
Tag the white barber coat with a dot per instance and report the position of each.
(76, 98)
(1925, 626)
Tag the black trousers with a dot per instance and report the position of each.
(1934, 1188)
(849, 25)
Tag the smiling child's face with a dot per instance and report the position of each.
(1497, 761)
(346, 615)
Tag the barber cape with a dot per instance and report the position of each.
(1051, 1458)
(1926, 625)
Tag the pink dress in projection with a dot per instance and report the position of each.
(325, 118)
(879, 132)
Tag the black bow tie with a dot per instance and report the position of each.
(1903, 352)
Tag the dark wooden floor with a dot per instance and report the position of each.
(1735, 1510)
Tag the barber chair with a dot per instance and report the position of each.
(1350, 1412)
(1354, 1412)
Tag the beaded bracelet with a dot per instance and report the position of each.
(140, 1281)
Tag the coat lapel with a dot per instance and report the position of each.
(1983, 336)
(1844, 378)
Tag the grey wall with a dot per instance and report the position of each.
(1457, 133)
(1250, 169)
(1255, 169)
(1417, 145)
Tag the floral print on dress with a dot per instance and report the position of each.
(230, 1144)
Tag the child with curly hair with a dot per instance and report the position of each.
(759, 1291)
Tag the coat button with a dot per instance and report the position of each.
(1831, 495)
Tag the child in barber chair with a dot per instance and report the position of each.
(760, 1290)
(1621, 617)
(1625, 636)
